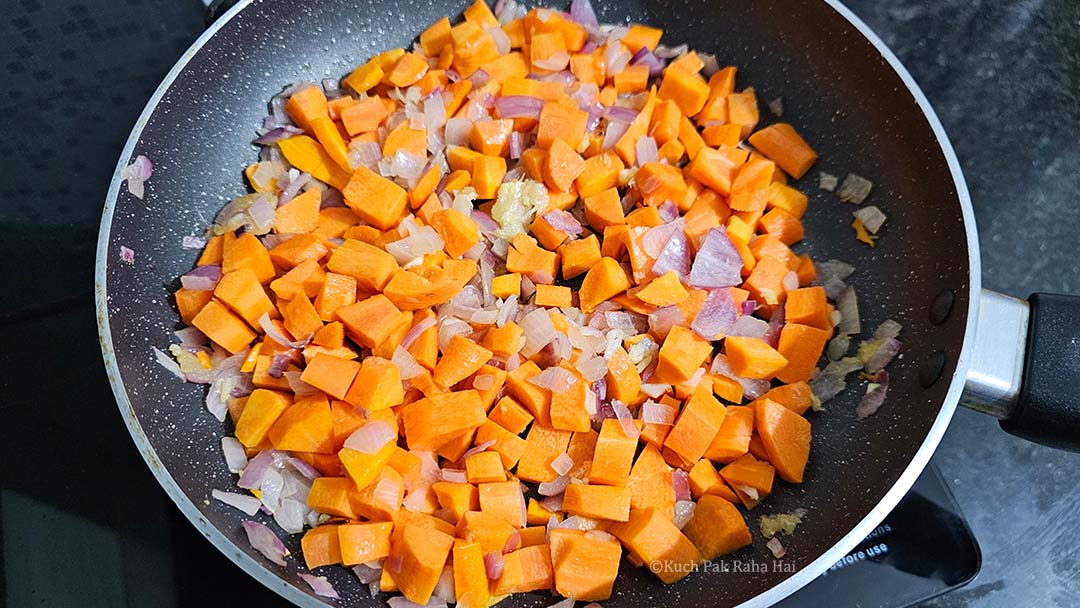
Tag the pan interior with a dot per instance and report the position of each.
(837, 90)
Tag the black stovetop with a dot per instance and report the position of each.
(82, 522)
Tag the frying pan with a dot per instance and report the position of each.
(848, 95)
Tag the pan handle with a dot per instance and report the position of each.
(1026, 367)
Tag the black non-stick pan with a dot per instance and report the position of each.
(844, 90)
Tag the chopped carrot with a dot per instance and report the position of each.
(598, 502)
(559, 121)
(784, 146)
(752, 357)
(653, 539)
(686, 89)
(801, 346)
(733, 438)
(603, 281)
(696, 427)
(717, 528)
(785, 436)
(562, 166)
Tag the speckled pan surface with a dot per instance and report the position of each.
(837, 89)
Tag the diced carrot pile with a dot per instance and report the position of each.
(556, 275)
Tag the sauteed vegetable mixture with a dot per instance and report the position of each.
(510, 302)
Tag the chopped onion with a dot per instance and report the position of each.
(669, 211)
(680, 483)
(513, 542)
(192, 242)
(404, 165)
(619, 114)
(878, 353)
(626, 419)
(831, 381)
(752, 388)
(665, 52)
(368, 573)
(252, 476)
(748, 326)
(279, 364)
(502, 41)
(555, 62)
(646, 150)
(422, 242)
(871, 217)
(320, 585)
(562, 464)
(305, 469)
(167, 362)
(827, 182)
(406, 363)
(567, 603)
(478, 448)
(676, 253)
(718, 263)
(663, 319)
(264, 541)
(776, 325)
(293, 187)
(616, 59)
(717, 315)
(518, 106)
(647, 58)
(615, 131)
(235, 455)
(371, 437)
(790, 282)
(455, 475)
(136, 175)
(202, 278)
(552, 503)
(555, 379)
(416, 331)
(493, 563)
(365, 153)
(564, 221)
(244, 502)
(191, 337)
(394, 563)
(581, 11)
(298, 386)
(539, 331)
(709, 67)
(592, 368)
(684, 512)
(275, 335)
(657, 238)
(457, 131)
(553, 488)
(776, 547)
(776, 106)
(854, 189)
(657, 413)
(838, 347)
(484, 382)
(848, 307)
(872, 401)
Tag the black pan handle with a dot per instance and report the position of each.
(1025, 367)
(1047, 408)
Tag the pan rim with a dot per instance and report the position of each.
(811, 571)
